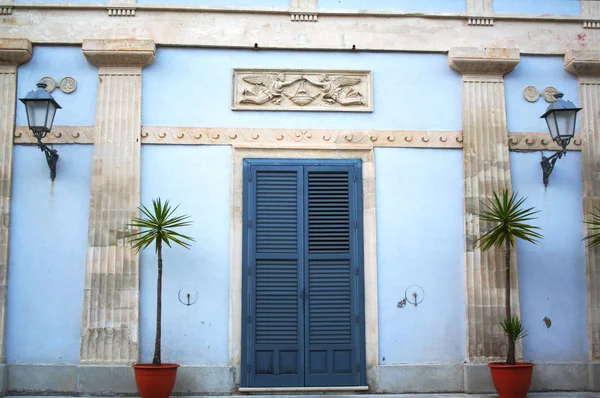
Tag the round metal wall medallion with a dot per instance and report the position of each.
(548, 94)
(50, 83)
(68, 85)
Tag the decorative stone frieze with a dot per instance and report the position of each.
(12, 54)
(477, 10)
(299, 90)
(58, 135)
(486, 170)
(121, 8)
(590, 10)
(293, 138)
(110, 326)
(586, 65)
(538, 142)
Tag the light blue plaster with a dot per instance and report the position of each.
(540, 72)
(48, 242)
(197, 178)
(79, 107)
(553, 7)
(420, 241)
(397, 5)
(552, 280)
(192, 87)
(222, 3)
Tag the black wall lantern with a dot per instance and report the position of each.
(560, 117)
(41, 108)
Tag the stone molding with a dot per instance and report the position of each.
(303, 138)
(474, 62)
(303, 11)
(58, 135)
(486, 170)
(271, 28)
(293, 138)
(583, 63)
(586, 65)
(121, 8)
(12, 54)
(480, 12)
(119, 53)
(302, 90)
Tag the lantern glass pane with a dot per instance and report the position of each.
(552, 124)
(51, 113)
(36, 113)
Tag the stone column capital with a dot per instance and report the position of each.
(583, 62)
(14, 52)
(483, 61)
(119, 53)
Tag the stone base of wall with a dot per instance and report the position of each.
(108, 380)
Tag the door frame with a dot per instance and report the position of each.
(371, 338)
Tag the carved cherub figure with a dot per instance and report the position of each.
(271, 89)
(338, 90)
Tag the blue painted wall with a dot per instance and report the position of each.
(552, 279)
(198, 178)
(48, 240)
(403, 99)
(223, 3)
(397, 5)
(540, 72)
(79, 107)
(555, 7)
(420, 241)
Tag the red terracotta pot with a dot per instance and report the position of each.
(512, 381)
(155, 381)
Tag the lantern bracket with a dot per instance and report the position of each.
(51, 153)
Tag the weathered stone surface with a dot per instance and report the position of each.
(14, 52)
(41, 379)
(110, 327)
(268, 27)
(408, 378)
(119, 53)
(486, 170)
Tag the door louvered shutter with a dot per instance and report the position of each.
(275, 313)
(302, 278)
(332, 304)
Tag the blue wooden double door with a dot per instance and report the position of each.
(303, 295)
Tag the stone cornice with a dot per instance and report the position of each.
(14, 52)
(583, 62)
(483, 61)
(119, 53)
(232, 27)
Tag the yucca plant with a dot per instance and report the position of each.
(510, 221)
(593, 237)
(159, 225)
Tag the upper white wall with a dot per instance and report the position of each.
(79, 107)
(198, 179)
(48, 243)
(192, 87)
(420, 241)
(552, 281)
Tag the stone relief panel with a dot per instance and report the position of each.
(302, 90)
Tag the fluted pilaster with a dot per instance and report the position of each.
(586, 65)
(110, 327)
(12, 54)
(486, 170)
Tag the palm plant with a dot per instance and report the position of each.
(158, 225)
(510, 221)
(593, 237)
